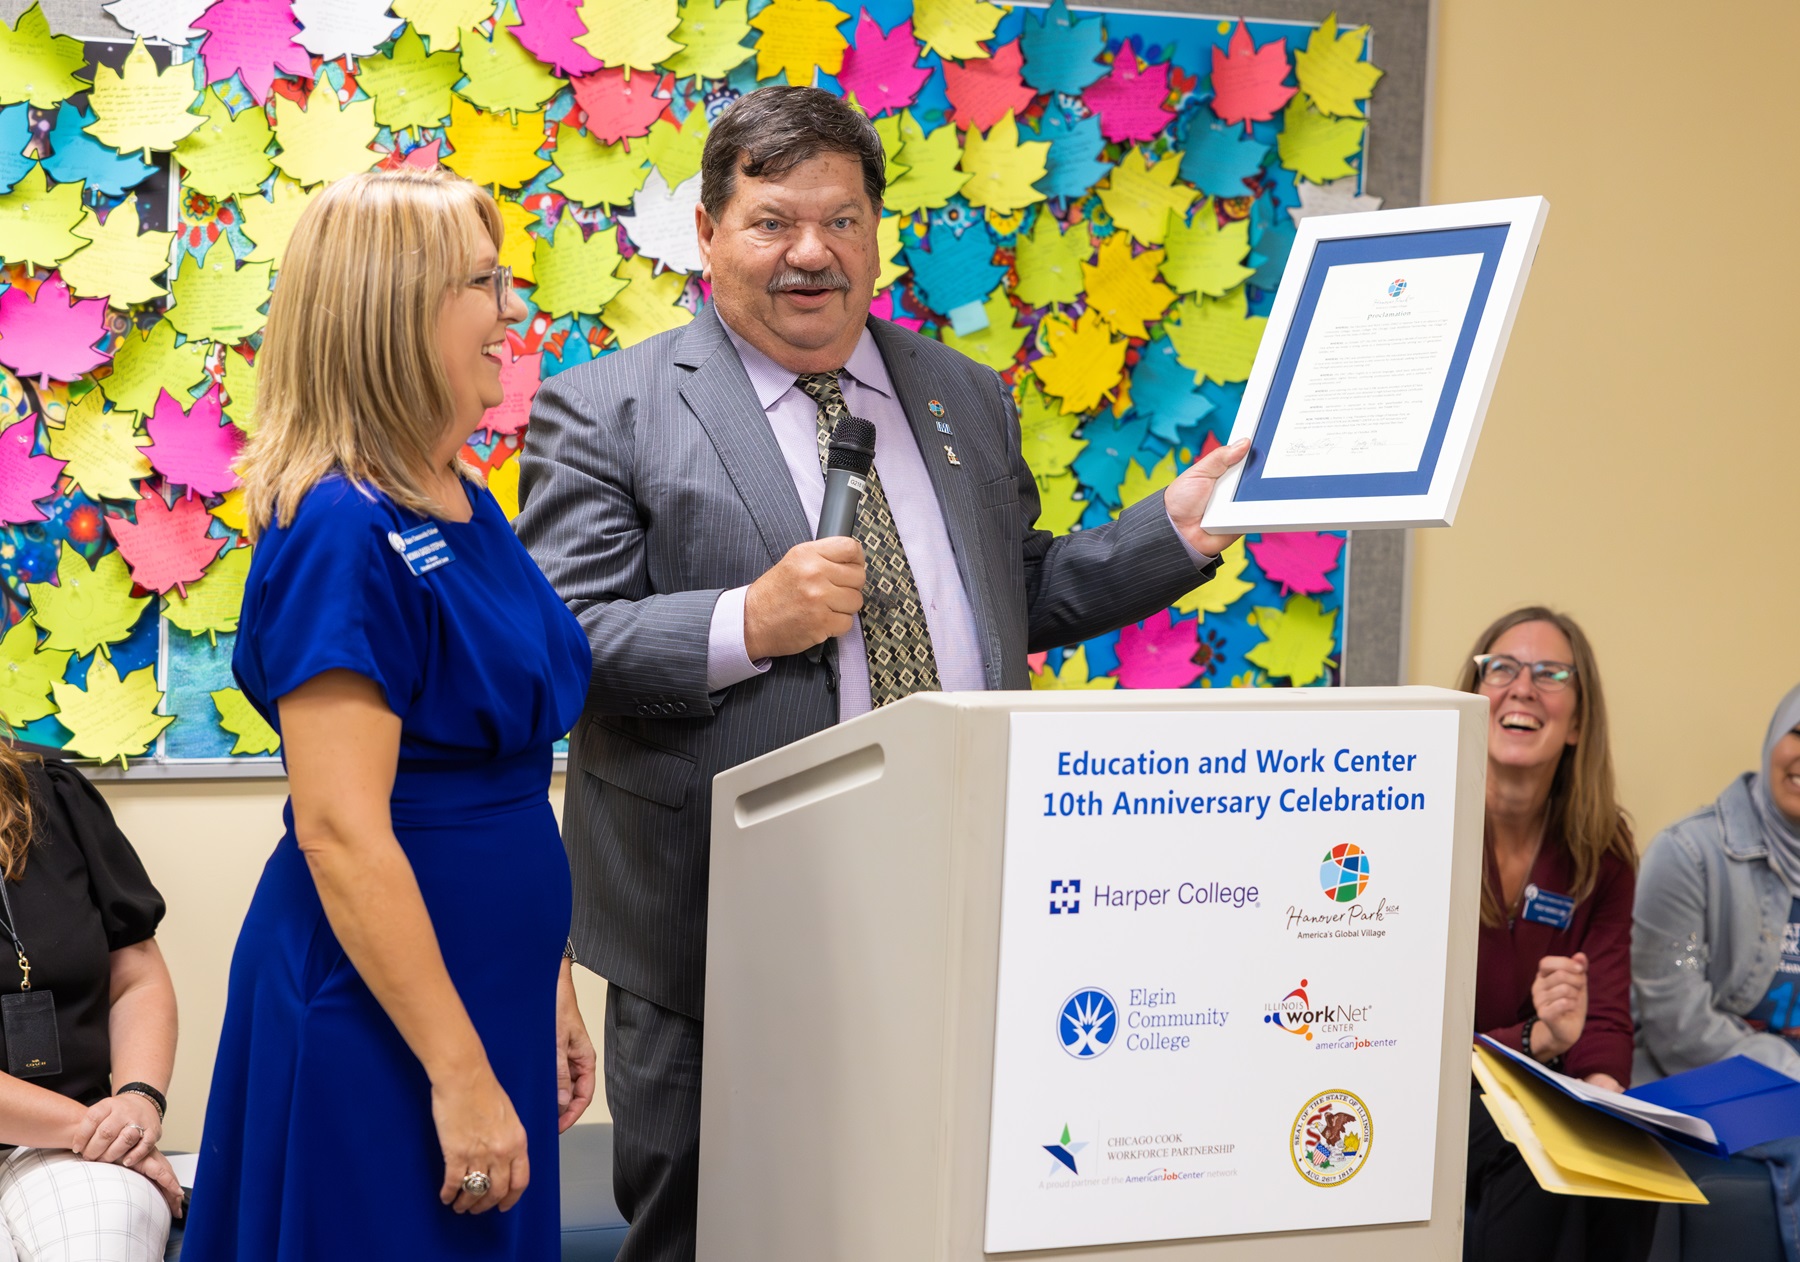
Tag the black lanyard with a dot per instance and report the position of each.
(24, 964)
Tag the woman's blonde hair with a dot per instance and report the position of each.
(349, 377)
(15, 807)
(1584, 806)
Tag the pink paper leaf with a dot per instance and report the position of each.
(49, 336)
(549, 28)
(1159, 652)
(191, 448)
(253, 39)
(982, 91)
(24, 478)
(519, 375)
(881, 71)
(1246, 80)
(166, 547)
(1130, 101)
(617, 109)
(887, 306)
(1299, 562)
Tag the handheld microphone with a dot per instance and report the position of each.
(848, 460)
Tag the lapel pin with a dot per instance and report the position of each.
(935, 408)
(950, 454)
(943, 427)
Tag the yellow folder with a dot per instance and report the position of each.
(1574, 1150)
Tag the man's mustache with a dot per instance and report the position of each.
(794, 278)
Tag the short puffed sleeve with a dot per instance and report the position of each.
(73, 811)
(328, 592)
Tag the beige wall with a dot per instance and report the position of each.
(1640, 462)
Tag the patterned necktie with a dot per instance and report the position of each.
(895, 635)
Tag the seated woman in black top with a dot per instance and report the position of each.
(87, 1035)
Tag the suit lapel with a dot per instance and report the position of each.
(719, 393)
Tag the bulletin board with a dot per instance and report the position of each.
(1095, 203)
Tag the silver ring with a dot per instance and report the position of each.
(133, 1126)
(475, 1183)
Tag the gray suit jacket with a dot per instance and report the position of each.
(651, 482)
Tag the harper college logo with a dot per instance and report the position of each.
(1333, 1134)
(1396, 289)
(1087, 1024)
(1065, 897)
(1344, 873)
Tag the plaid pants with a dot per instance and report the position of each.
(58, 1208)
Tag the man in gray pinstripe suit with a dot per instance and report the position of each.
(669, 492)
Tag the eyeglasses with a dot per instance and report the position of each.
(500, 281)
(1496, 670)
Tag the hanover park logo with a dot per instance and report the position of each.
(1397, 288)
(1344, 873)
(1333, 1133)
(1087, 1023)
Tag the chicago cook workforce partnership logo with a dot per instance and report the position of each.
(1087, 1023)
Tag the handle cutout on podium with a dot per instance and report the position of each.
(815, 784)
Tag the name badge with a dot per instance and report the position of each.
(423, 548)
(1542, 907)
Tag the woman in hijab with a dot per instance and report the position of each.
(1718, 891)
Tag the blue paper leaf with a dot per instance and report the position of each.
(1061, 53)
(1071, 168)
(1111, 441)
(576, 349)
(1269, 254)
(75, 155)
(15, 134)
(1218, 156)
(1164, 391)
(956, 269)
(1226, 401)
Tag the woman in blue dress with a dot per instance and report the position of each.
(401, 1042)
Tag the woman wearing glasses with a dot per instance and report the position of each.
(386, 1073)
(1553, 975)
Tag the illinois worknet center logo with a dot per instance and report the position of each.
(1333, 1133)
(1087, 1023)
(1344, 873)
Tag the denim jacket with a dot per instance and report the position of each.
(1705, 942)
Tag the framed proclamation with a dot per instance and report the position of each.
(1375, 371)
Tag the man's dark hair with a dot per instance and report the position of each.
(769, 132)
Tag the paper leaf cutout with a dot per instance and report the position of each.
(121, 264)
(230, 511)
(1247, 80)
(166, 547)
(210, 605)
(1061, 54)
(674, 149)
(170, 21)
(887, 245)
(327, 139)
(617, 107)
(1073, 675)
(1300, 561)
(1300, 640)
(1205, 258)
(798, 37)
(1336, 198)
(35, 65)
(1163, 390)
(503, 483)
(37, 222)
(1001, 169)
(212, 300)
(646, 306)
(1112, 441)
(343, 28)
(145, 364)
(881, 71)
(16, 133)
(493, 149)
(931, 176)
(984, 91)
(1059, 508)
(661, 223)
(1331, 69)
(595, 174)
(240, 393)
(1122, 288)
(1224, 588)
(1159, 653)
(1049, 260)
(1074, 163)
(1141, 197)
(632, 33)
(26, 673)
(24, 478)
(111, 718)
(1218, 156)
(74, 155)
(443, 21)
(519, 376)
(710, 37)
(143, 108)
(253, 39)
(1138, 484)
(411, 87)
(191, 448)
(1046, 436)
(576, 275)
(1213, 336)
(239, 717)
(1269, 254)
(227, 155)
(516, 240)
(88, 607)
(50, 336)
(955, 270)
(101, 449)
(268, 223)
(998, 344)
(1130, 100)
(955, 28)
(1316, 147)
(502, 74)
(1081, 362)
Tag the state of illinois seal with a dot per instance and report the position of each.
(1333, 1133)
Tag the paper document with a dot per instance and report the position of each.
(1637, 1112)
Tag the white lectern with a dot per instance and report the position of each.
(1152, 975)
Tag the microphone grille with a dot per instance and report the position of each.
(852, 446)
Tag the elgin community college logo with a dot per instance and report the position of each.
(1333, 1134)
(1087, 1024)
(1344, 873)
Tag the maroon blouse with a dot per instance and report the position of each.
(1507, 960)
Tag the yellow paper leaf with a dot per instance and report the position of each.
(1082, 361)
(442, 21)
(1123, 289)
(102, 450)
(111, 718)
(1226, 586)
(326, 140)
(1141, 197)
(675, 149)
(710, 43)
(37, 222)
(1059, 510)
(149, 362)
(887, 127)
(213, 600)
(1073, 675)
(1001, 170)
(1214, 337)
(645, 307)
(1046, 434)
(144, 109)
(633, 33)
(799, 37)
(239, 717)
(1137, 484)
(516, 241)
(214, 300)
(998, 344)
(37, 66)
(955, 28)
(887, 244)
(88, 607)
(502, 73)
(230, 511)
(269, 221)
(1049, 261)
(503, 481)
(576, 275)
(26, 674)
(493, 149)
(1331, 69)
(932, 176)
(225, 155)
(122, 264)
(411, 87)
(1300, 640)
(595, 174)
(1205, 258)
(1316, 147)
